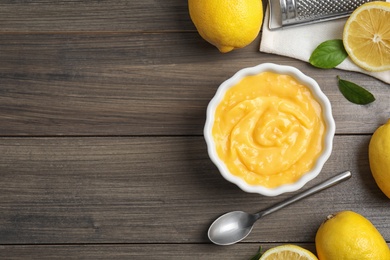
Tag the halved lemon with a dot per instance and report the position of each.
(366, 36)
(291, 252)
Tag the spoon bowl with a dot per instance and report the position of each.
(227, 228)
(234, 226)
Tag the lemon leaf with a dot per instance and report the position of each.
(328, 54)
(355, 93)
(257, 255)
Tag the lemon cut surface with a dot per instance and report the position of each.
(366, 36)
(290, 252)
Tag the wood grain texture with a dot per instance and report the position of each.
(94, 16)
(137, 252)
(102, 107)
(106, 190)
(241, 251)
(140, 84)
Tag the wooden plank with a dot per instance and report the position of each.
(157, 190)
(140, 84)
(96, 15)
(141, 251)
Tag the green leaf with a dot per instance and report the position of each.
(328, 54)
(257, 255)
(355, 93)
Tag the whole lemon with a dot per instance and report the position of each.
(349, 236)
(379, 157)
(227, 24)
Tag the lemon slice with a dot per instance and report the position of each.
(366, 36)
(291, 252)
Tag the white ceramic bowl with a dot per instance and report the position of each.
(327, 115)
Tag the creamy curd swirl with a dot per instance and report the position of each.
(269, 129)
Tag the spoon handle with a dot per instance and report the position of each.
(323, 185)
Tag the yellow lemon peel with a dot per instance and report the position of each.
(348, 235)
(227, 24)
(379, 157)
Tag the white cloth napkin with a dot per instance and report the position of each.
(299, 42)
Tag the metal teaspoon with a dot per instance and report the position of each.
(234, 226)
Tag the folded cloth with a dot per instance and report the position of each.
(299, 42)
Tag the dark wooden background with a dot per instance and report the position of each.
(102, 107)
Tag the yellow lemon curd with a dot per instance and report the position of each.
(269, 129)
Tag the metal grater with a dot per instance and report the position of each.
(297, 12)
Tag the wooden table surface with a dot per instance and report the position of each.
(102, 107)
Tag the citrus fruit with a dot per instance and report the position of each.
(227, 24)
(379, 157)
(366, 36)
(348, 235)
(291, 252)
